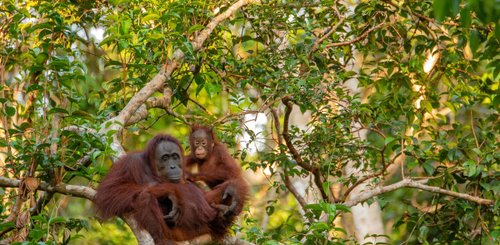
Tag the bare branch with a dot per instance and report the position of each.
(140, 114)
(417, 185)
(72, 190)
(155, 102)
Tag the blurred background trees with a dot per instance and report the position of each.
(356, 121)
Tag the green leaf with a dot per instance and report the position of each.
(150, 17)
(4, 226)
(470, 168)
(58, 110)
(497, 30)
(195, 28)
(315, 209)
(388, 140)
(155, 36)
(125, 26)
(10, 111)
(96, 154)
(122, 45)
(108, 40)
(445, 8)
(270, 210)
(322, 226)
(343, 208)
(36, 234)
(34, 87)
(57, 220)
(326, 186)
(465, 17)
(440, 9)
(474, 40)
(429, 167)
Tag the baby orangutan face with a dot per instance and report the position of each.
(201, 143)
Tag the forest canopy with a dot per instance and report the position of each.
(354, 121)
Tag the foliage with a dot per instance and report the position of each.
(393, 89)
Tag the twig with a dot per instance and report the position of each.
(357, 39)
(264, 107)
(330, 32)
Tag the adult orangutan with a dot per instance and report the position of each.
(218, 169)
(149, 185)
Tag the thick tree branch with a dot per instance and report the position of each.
(162, 102)
(417, 185)
(142, 236)
(72, 190)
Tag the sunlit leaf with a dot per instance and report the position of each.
(150, 17)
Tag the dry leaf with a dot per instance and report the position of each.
(32, 183)
(22, 219)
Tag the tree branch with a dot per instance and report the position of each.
(367, 177)
(80, 129)
(72, 190)
(357, 39)
(288, 141)
(286, 178)
(197, 44)
(417, 185)
(307, 166)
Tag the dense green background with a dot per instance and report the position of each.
(78, 63)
